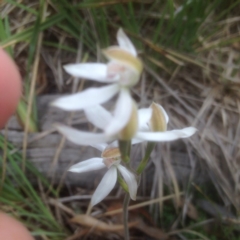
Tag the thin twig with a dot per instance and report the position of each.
(139, 205)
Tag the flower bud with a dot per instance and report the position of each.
(159, 119)
(129, 131)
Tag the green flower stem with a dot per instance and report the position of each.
(125, 216)
(144, 161)
(125, 149)
(122, 184)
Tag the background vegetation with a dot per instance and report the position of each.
(190, 49)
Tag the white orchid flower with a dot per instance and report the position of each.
(156, 128)
(152, 127)
(101, 118)
(123, 71)
(111, 159)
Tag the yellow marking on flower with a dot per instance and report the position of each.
(126, 58)
(128, 132)
(111, 153)
(158, 121)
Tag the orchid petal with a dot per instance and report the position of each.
(88, 165)
(100, 146)
(130, 179)
(122, 113)
(144, 115)
(105, 186)
(113, 144)
(91, 71)
(87, 98)
(136, 141)
(98, 116)
(133, 142)
(125, 43)
(82, 138)
(166, 136)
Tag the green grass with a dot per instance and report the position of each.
(23, 199)
(216, 230)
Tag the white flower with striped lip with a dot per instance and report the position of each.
(123, 71)
(111, 159)
(148, 127)
(155, 130)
